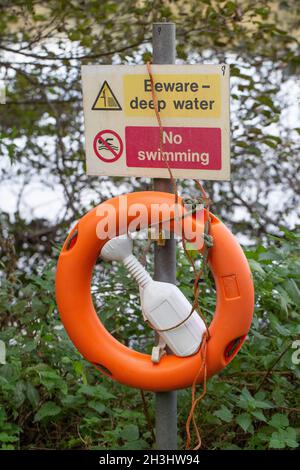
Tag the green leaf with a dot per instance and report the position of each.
(4, 437)
(51, 380)
(19, 395)
(32, 394)
(256, 268)
(293, 291)
(230, 8)
(47, 409)
(263, 404)
(244, 420)
(279, 421)
(99, 407)
(254, 150)
(282, 330)
(224, 414)
(96, 391)
(263, 11)
(241, 143)
(147, 56)
(283, 438)
(258, 414)
(138, 444)
(276, 441)
(130, 432)
(79, 370)
(284, 299)
(291, 438)
(73, 401)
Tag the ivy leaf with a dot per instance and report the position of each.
(47, 409)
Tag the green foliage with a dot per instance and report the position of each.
(254, 402)
(52, 398)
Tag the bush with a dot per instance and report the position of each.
(51, 398)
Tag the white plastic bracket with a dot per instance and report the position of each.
(158, 351)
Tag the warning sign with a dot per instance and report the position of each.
(193, 103)
(108, 146)
(177, 96)
(106, 100)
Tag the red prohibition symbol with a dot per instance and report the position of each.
(108, 146)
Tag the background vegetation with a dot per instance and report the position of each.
(50, 397)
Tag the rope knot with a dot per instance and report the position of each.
(195, 202)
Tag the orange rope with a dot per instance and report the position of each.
(203, 348)
(197, 400)
(161, 132)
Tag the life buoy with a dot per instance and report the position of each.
(228, 329)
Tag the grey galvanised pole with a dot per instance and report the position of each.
(165, 256)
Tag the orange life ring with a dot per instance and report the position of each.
(228, 329)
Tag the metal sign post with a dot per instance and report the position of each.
(165, 256)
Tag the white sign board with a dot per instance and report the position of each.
(121, 130)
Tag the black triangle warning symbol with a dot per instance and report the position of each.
(106, 100)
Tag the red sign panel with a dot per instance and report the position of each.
(183, 147)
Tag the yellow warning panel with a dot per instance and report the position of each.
(193, 95)
(106, 100)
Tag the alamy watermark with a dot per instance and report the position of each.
(184, 220)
